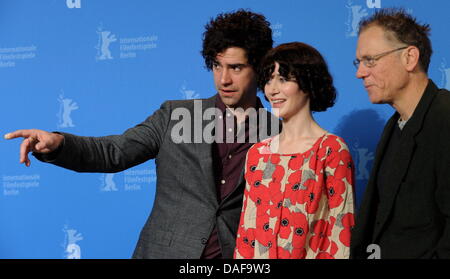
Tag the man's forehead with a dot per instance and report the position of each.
(232, 55)
(371, 41)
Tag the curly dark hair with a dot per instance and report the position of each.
(402, 27)
(304, 64)
(244, 29)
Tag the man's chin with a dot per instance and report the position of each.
(228, 101)
(373, 98)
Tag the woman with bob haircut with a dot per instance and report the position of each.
(298, 200)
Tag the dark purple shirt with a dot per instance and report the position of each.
(229, 158)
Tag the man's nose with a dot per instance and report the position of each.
(225, 77)
(362, 71)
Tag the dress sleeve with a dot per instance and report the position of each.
(339, 187)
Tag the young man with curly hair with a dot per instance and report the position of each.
(199, 183)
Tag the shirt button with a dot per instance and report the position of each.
(220, 116)
(228, 115)
(204, 240)
(222, 181)
(230, 130)
(229, 156)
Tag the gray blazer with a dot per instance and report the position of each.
(185, 208)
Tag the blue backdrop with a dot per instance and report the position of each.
(96, 68)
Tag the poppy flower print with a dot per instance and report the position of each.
(297, 206)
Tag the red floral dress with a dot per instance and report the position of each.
(297, 205)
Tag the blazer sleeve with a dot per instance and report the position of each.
(442, 193)
(112, 153)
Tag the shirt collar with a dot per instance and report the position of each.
(223, 108)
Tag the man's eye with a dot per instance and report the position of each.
(370, 60)
(237, 68)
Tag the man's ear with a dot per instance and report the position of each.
(411, 58)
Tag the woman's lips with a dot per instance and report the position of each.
(277, 103)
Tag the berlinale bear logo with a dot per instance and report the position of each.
(73, 4)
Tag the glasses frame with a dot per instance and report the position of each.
(370, 61)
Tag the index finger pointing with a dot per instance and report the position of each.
(18, 134)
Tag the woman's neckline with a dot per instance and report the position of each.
(319, 139)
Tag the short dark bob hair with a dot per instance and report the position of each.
(244, 29)
(304, 64)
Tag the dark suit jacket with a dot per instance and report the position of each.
(415, 221)
(186, 207)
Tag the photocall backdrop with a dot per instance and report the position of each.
(96, 68)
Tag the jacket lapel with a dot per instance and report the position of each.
(367, 212)
(204, 151)
(403, 155)
(402, 158)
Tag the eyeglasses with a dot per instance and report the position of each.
(369, 61)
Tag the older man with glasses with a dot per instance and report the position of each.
(405, 212)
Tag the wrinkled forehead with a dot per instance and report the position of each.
(373, 40)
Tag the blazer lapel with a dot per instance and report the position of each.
(204, 151)
(404, 154)
(384, 140)
(366, 214)
(402, 158)
(362, 233)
